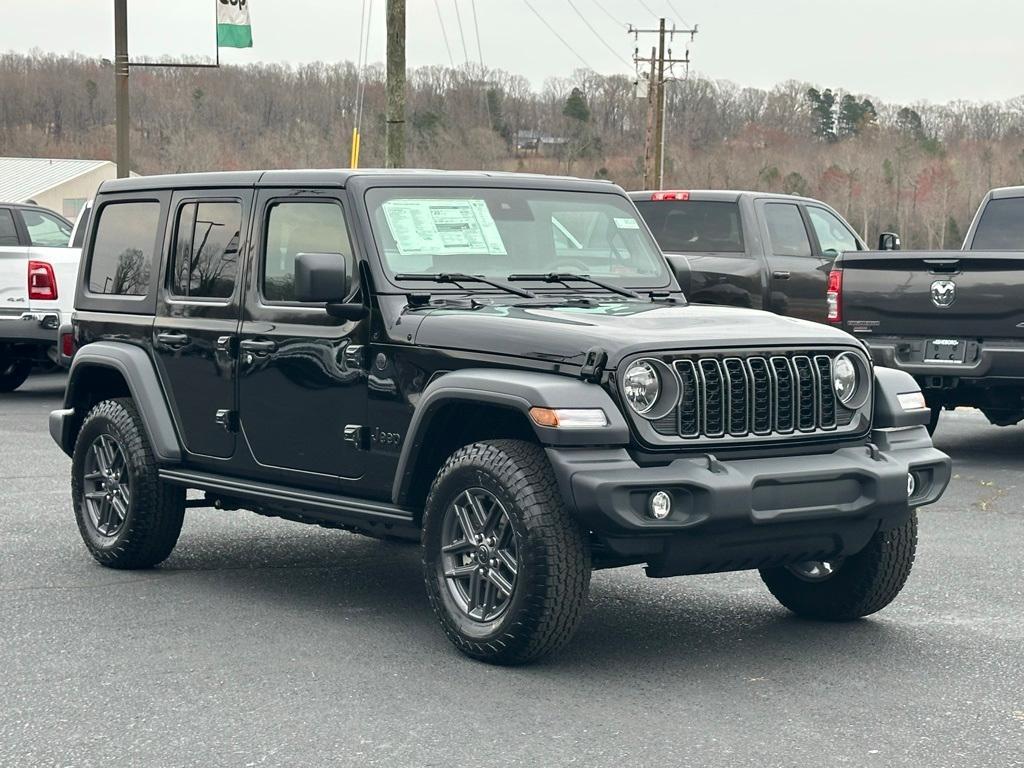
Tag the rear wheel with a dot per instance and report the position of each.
(851, 587)
(13, 372)
(127, 517)
(507, 569)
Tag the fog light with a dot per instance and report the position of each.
(911, 484)
(660, 505)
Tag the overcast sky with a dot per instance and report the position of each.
(896, 50)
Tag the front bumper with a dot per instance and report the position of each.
(750, 513)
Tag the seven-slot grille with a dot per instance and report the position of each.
(754, 395)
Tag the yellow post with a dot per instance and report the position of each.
(353, 156)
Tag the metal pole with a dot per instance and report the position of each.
(649, 137)
(121, 87)
(659, 122)
(395, 139)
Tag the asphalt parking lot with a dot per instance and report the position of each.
(264, 642)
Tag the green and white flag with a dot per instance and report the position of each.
(233, 27)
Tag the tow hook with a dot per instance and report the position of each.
(875, 453)
(714, 465)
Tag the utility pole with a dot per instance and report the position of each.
(395, 125)
(661, 62)
(121, 87)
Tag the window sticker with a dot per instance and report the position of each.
(439, 227)
(627, 223)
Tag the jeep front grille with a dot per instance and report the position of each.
(761, 395)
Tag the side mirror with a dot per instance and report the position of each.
(889, 241)
(323, 278)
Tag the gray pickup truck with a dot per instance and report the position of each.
(749, 249)
(952, 319)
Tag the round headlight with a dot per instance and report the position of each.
(641, 386)
(845, 378)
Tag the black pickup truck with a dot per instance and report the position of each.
(749, 249)
(952, 319)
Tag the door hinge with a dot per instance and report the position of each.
(355, 356)
(355, 435)
(227, 419)
(228, 345)
(593, 365)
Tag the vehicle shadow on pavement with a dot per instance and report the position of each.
(631, 625)
(980, 447)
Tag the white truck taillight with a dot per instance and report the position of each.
(42, 285)
(834, 296)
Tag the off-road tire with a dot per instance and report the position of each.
(156, 509)
(554, 556)
(861, 584)
(933, 419)
(13, 373)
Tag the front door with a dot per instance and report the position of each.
(302, 383)
(795, 278)
(196, 325)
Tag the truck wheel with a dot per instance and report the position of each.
(128, 518)
(507, 569)
(13, 373)
(851, 587)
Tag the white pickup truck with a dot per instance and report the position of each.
(38, 266)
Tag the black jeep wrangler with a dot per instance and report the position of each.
(500, 366)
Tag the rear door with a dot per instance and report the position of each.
(13, 266)
(197, 315)
(797, 275)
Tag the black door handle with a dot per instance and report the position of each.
(172, 339)
(257, 347)
(781, 274)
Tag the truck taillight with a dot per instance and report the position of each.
(670, 194)
(834, 296)
(42, 285)
(67, 344)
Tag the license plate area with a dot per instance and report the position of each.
(944, 350)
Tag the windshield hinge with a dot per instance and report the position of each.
(593, 365)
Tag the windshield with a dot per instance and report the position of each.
(501, 232)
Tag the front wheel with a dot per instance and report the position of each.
(507, 569)
(850, 587)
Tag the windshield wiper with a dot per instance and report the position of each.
(565, 277)
(459, 277)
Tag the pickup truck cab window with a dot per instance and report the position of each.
(45, 230)
(1001, 227)
(8, 232)
(689, 226)
(786, 230)
(833, 236)
(498, 233)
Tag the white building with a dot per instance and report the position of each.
(60, 185)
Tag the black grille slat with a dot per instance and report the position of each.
(737, 397)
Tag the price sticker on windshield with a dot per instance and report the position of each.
(440, 227)
(627, 223)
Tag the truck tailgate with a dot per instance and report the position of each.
(934, 293)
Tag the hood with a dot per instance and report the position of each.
(564, 334)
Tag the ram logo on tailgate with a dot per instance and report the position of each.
(943, 293)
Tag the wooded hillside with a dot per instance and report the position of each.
(917, 169)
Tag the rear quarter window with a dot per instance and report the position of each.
(1001, 227)
(123, 249)
(694, 225)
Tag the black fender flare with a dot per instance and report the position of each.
(890, 383)
(137, 369)
(519, 391)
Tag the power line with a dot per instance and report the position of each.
(676, 13)
(462, 34)
(605, 12)
(476, 26)
(597, 34)
(555, 33)
(444, 34)
(648, 8)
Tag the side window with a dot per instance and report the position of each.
(205, 253)
(123, 248)
(786, 230)
(833, 234)
(45, 230)
(300, 227)
(1001, 226)
(8, 234)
